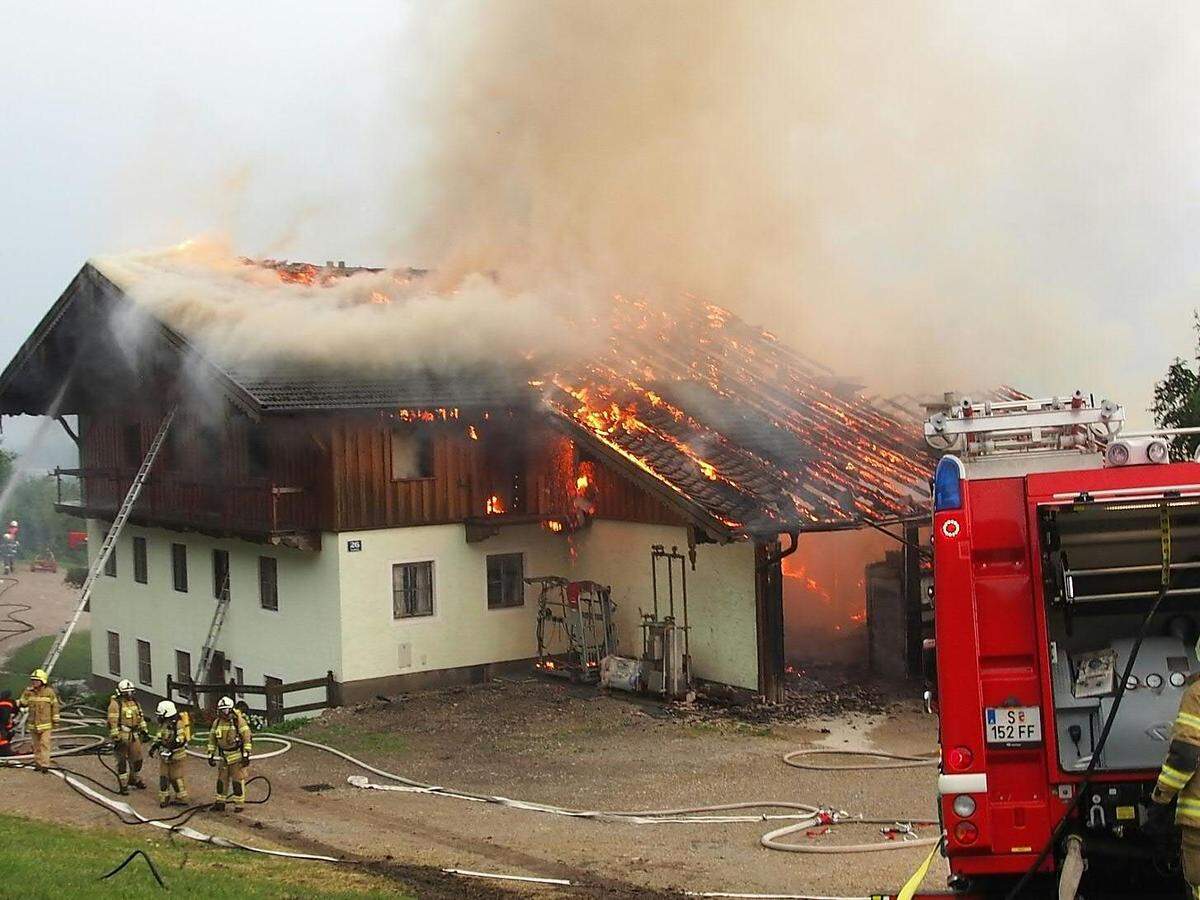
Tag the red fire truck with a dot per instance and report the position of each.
(1066, 598)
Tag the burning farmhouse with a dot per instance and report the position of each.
(375, 512)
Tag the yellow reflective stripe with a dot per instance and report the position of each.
(1188, 720)
(51, 699)
(1173, 777)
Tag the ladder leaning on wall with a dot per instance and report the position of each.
(214, 633)
(110, 540)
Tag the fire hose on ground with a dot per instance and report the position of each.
(801, 816)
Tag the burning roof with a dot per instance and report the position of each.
(704, 410)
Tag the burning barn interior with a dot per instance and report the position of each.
(393, 527)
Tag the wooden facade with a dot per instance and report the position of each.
(338, 471)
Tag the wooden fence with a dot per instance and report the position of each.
(273, 695)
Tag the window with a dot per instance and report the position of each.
(139, 560)
(240, 679)
(183, 667)
(221, 574)
(274, 699)
(131, 445)
(258, 453)
(268, 583)
(145, 675)
(412, 455)
(114, 653)
(110, 564)
(505, 580)
(179, 567)
(412, 590)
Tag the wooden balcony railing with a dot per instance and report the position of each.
(255, 507)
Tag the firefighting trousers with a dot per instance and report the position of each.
(231, 783)
(42, 742)
(1190, 851)
(129, 762)
(170, 778)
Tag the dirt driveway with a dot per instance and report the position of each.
(550, 742)
(50, 603)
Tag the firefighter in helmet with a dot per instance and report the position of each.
(127, 729)
(1177, 782)
(229, 749)
(170, 745)
(42, 702)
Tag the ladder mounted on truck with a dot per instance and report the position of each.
(1017, 428)
(110, 540)
(209, 649)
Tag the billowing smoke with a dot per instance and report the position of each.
(247, 316)
(924, 195)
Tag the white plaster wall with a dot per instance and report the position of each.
(721, 604)
(299, 641)
(462, 631)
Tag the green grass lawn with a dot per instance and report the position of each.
(54, 861)
(352, 740)
(76, 661)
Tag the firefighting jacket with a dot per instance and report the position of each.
(173, 736)
(230, 737)
(42, 704)
(1183, 758)
(8, 721)
(125, 719)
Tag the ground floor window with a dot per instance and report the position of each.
(145, 674)
(412, 590)
(274, 702)
(239, 676)
(183, 667)
(505, 580)
(114, 653)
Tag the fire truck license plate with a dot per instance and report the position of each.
(1013, 725)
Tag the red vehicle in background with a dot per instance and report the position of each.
(1066, 554)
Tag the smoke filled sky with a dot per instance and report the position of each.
(920, 195)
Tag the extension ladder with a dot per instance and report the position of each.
(110, 540)
(214, 632)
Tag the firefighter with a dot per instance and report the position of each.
(41, 701)
(229, 749)
(8, 722)
(174, 732)
(1176, 783)
(127, 729)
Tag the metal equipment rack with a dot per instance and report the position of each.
(584, 610)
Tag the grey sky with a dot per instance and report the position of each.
(986, 191)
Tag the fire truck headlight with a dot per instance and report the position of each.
(964, 806)
(1117, 453)
(1157, 451)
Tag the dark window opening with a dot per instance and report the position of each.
(239, 675)
(183, 667)
(268, 583)
(110, 564)
(114, 653)
(220, 559)
(412, 454)
(505, 580)
(140, 573)
(145, 674)
(412, 590)
(179, 572)
(131, 445)
(258, 453)
(274, 702)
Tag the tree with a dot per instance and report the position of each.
(1177, 400)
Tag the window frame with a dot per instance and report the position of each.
(141, 559)
(179, 566)
(110, 564)
(273, 568)
(425, 457)
(499, 557)
(218, 553)
(183, 675)
(433, 605)
(146, 667)
(113, 639)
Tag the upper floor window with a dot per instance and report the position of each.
(179, 572)
(220, 560)
(268, 583)
(505, 580)
(140, 569)
(131, 445)
(110, 564)
(412, 454)
(258, 452)
(412, 590)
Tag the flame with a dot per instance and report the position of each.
(472, 433)
(441, 413)
(495, 506)
(379, 297)
(554, 525)
(582, 483)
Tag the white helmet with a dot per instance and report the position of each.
(225, 704)
(166, 710)
(124, 686)
(14, 524)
